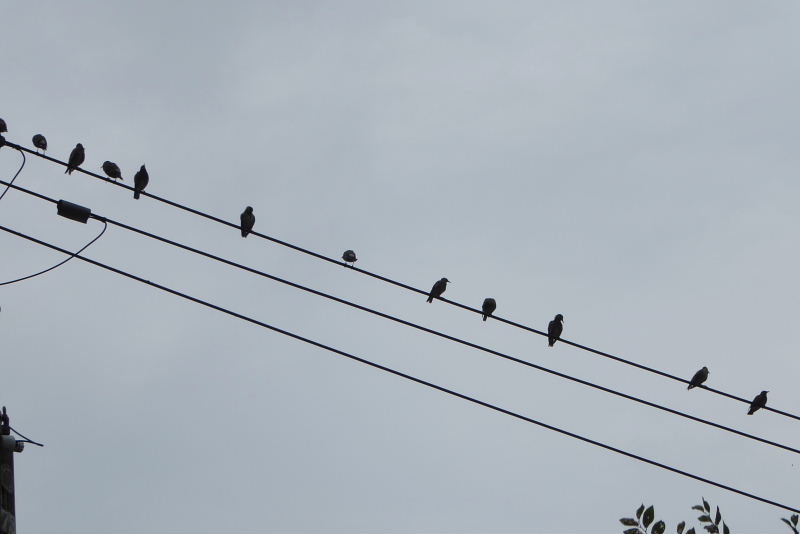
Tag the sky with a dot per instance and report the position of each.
(631, 165)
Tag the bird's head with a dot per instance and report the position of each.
(705, 369)
(142, 168)
(764, 392)
(79, 146)
(560, 317)
(445, 280)
(249, 209)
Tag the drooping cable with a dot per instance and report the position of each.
(8, 186)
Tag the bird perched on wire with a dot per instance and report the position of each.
(76, 157)
(437, 289)
(140, 180)
(489, 305)
(698, 378)
(3, 127)
(349, 257)
(40, 142)
(759, 402)
(248, 220)
(112, 170)
(554, 329)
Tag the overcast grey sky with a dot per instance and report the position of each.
(631, 165)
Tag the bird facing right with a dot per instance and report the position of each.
(437, 289)
(349, 256)
(759, 402)
(698, 378)
(554, 329)
(248, 220)
(76, 157)
(140, 180)
(489, 305)
(112, 170)
(40, 142)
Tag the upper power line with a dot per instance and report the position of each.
(399, 284)
(407, 376)
(437, 333)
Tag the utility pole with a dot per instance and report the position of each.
(8, 446)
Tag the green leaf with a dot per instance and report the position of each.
(697, 507)
(690, 531)
(648, 517)
(639, 512)
(794, 519)
(659, 528)
(706, 505)
(718, 517)
(726, 530)
(680, 527)
(632, 531)
(629, 521)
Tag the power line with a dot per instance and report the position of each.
(8, 186)
(420, 327)
(404, 375)
(59, 264)
(403, 285)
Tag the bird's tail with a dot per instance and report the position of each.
(68, 171)
(244, 232)
(690, 386)
(551, 342)
(136, 193)
(430, 298)
(750, 411)
(485, 316)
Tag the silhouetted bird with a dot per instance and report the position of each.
(76, 157)
(489, 305)
(437, 289)
(112, 170)
(554, 329)
(140, 180)
(759, 402)
(40, 142)
(349, 256)
(698, 378)
(248, 220)
(3, 127)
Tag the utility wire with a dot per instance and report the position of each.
(406, 376)
(423, 328)
(405, 286)
(24, 439)
(8, 186)
(59, 264)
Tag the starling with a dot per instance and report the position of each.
(40, 142)
(248, 220)
(3, 128)
(698, 378)
(112, 170)
(140, 180)
(76, 157)
(349, 256)
(489, 305)
(759, 402)
(554, 329)
(437, 289)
